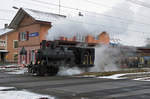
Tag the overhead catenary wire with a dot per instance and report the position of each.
(36, 3)
(100, 15)
(117, 8)
(94, 13)
(112, 28)
(119, 28)
(6, 10)
(56, 4)
(5, 19)
(105, 25)
(140, 3)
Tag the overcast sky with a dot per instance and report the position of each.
(45, 5)
(133, 20)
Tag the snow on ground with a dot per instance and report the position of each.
(116, 76)
(143, 79)
(19, 71)
(13, 69)
(2, 68)
(119, 76)
(87, 76)
(23, 94)
(6, 88)
(9, 67)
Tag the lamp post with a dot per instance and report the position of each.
(14, 7)
(80, 14)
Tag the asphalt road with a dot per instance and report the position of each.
(78, 87)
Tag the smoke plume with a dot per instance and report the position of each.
(69, 71)
(106, 58)
(119, 23)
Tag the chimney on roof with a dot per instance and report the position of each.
(5, 25)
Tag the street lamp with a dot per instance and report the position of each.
(80, 14)
(14, 7)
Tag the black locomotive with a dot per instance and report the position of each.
(54, 54)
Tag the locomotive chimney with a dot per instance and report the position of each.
(43, 44)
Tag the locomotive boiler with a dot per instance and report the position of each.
(55, 54)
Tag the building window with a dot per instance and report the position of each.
(23, 36)
(96, 37)
(15, 43)
(2, 43)
(15, 57)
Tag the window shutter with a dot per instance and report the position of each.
(19, 36)
(26, 61)
(29, 56)
(27, 35)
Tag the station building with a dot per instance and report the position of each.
(31, 27)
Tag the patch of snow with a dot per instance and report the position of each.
(4, 88)
(20, 71)
(2, 68)
(116, 76)
(85, 76)
(11, 65)
(143, 79)
(21, 94)
(84, 98)
(10, 69)
(89, 76)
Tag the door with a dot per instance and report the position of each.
(33, 56)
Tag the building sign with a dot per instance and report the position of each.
(34, 34)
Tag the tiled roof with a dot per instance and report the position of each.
(43, 16)
(36, 15)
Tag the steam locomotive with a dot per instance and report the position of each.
(55, 54)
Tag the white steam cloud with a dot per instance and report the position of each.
(75, 26)
(69, 71)
(126, 25)
(106, 58)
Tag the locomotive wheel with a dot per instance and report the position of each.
(41, 70)
(52, 71)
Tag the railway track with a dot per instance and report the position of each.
(30, 82)
(67, 87)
